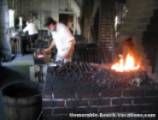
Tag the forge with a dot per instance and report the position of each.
(125, 85)
(101, 75)
(95, 88)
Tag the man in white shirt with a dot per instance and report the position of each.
(63, 40)
(32, 32)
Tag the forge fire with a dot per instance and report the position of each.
(129, 60)
(125, 64)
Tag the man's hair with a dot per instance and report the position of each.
(49, 20)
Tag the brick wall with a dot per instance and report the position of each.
(69, 97)
(106, 29)
(150, 43)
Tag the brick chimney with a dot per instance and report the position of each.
(106, 30)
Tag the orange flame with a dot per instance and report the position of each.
(126, 64)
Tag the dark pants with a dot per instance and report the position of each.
(33, 38)
(28, 42)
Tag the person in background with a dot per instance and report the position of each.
(32, 32)
(63, 40)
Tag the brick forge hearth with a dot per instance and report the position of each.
(135, 100)
(65, 95)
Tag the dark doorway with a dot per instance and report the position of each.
(65, 18)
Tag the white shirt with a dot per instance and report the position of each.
(31, 28)
(62, 38)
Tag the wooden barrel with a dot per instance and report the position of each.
(22, 101)
(2, 114)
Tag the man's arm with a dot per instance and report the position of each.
(50, 47)
(70, 49)
(26, 28)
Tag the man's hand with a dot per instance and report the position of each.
(67, 56)
(46, 51)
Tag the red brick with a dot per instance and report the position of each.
(76, 103)
(133, 92)
(87, 93)
(146, 100)
(121, 101)
(100, 102)
(139, 108)
(110, 109)
(151, 92)
(111, 93)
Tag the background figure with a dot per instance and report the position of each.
(32, 33)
